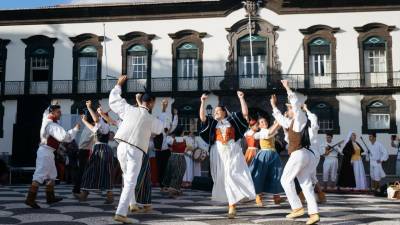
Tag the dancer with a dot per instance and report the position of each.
(378, 154)
(301, 160)
(190, 146)
(352, 174)
(163, 153)
(133, 135)
(330, 167)
(252, 143)
(51, 135)
(86, 142)
(176, 166)
(266, 167)
(231, 176)
(98, 172)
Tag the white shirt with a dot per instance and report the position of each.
(300, 118)
(378, 152)
(137, 124)
(171, 127)
(313, 130)
(50, 128)
(264, 134)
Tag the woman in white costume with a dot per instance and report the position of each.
(231, 176)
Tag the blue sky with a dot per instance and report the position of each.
(9, 4)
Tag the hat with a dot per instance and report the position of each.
(147, 96)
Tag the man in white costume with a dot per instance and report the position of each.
(377, 155)
(133, 135)
(51, 136)
(301, 163)
(330, 167)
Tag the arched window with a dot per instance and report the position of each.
(325, 113)
(87, 63)
(378, 115)
(375, 54)
(319, 57)
(188, 60)
(137, 62)
(39, 69)
(252, 55)
(375, 61)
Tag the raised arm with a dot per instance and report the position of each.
(202, 112)
(174, 123)
(300, 118)
(86, 123)
(276, 113)
(138, 97)
(91, 111)
(116, 102)
(243, 104)
(312, 117)
(107, 117)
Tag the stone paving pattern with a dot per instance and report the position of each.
(192, 208)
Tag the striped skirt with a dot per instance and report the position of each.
(175, 171)
(98, 171)
(143, 185)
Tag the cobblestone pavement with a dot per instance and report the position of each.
(193, 207)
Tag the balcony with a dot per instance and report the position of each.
(87, 86)
(348, 81)
(62, 87)
(14, 88)
(39, 87)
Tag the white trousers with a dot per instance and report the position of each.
(301, 164)
(130, 159)
(376, 171)
(359, 175)
(330, 169)
(188, 177)
(45, 165)
(197, 169)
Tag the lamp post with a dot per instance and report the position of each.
(209, 109)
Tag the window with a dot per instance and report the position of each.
(188, 59)
(252, 66)
(374, 55)
(88, 63)
(378, 116)
(325, 116)
(137, 62)
(319, 57)
(39, 65)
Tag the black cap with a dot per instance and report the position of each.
(147, 96)
(52, 108)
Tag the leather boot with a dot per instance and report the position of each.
(50, 196)
(31, 197)
(109, 198)
(83, 196)
(232, 212)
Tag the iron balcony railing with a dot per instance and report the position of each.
(214, 83)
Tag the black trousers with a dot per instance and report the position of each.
(83, 157)
(162, 158)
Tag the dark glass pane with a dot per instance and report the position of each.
(40, 75)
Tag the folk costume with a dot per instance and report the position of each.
(266, 167)
(378, 154)
(51, 136)
(301, 163)
(133, 136)
(352, 173)
(230, 173)
(252, 143)
(331, 164)
(176, 166)
(98, 172)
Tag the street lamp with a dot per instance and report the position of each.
(209, 109)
